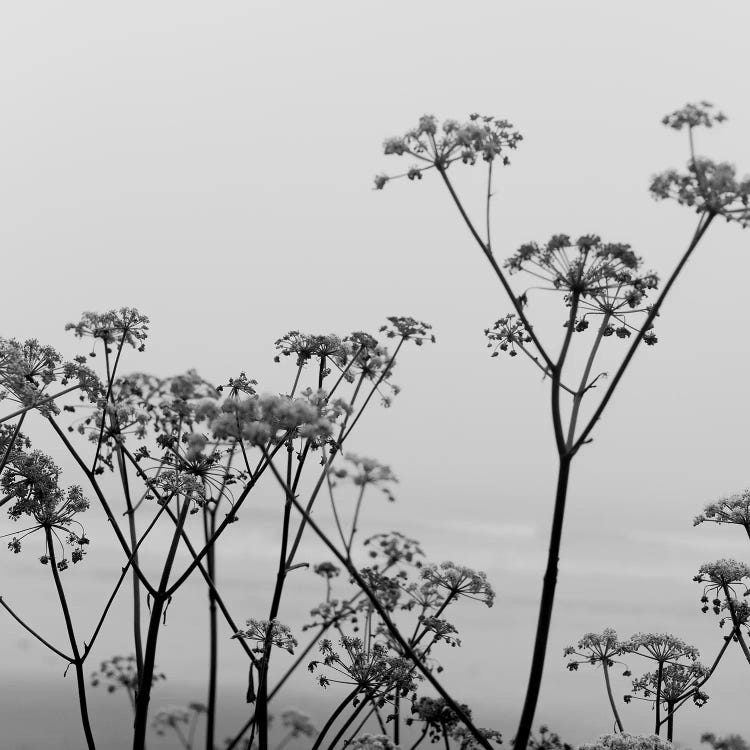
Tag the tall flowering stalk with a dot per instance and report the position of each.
(600, 282)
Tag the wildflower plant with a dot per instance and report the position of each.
(188, 457)
(604, 286)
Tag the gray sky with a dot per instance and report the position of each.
(212, 163)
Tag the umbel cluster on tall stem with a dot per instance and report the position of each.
(602, 285)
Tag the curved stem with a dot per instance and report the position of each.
(545, 607)
(611, 697)
(33, 632)
(335, 715)
(357, 711)
(420, 738)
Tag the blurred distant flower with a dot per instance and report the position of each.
(627, 741)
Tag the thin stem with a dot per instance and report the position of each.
(213, 644)
(496, 268)
(220, 530)
(160, 598)
(136, 584)
(420, 738)
(103, 502)
(488, 244)
(41, 402)
(33, 632)
(107, 397)
(90, 644)
(557, 374)
(657, 707)
(736, 623)
(356, 519)
(545, 607)
(335, 715)
(357, 711)
(582, 388)
(670, 720)
(703, 225)
(77, 661)
(9, 449)
(611, 697)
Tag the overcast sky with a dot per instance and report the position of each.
(212, 164)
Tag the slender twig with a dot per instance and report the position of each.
(77, 660)
(41, 402)
(611, 697)
(496, 268)
(703, 225)
(335, 715)
(33, 632)
(103, 502)
(159, 600)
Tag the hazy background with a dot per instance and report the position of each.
(212, 163)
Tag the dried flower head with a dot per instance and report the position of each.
(707, 186)
(661, 647)
(595, 648)
(508, 334)
(673, 683)
(31, 484)
(438, 146)
(605, 279)
(123, 326)
(459, 580)
(408, 329)
(733, 508)
(268, 631)
(372, 668)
